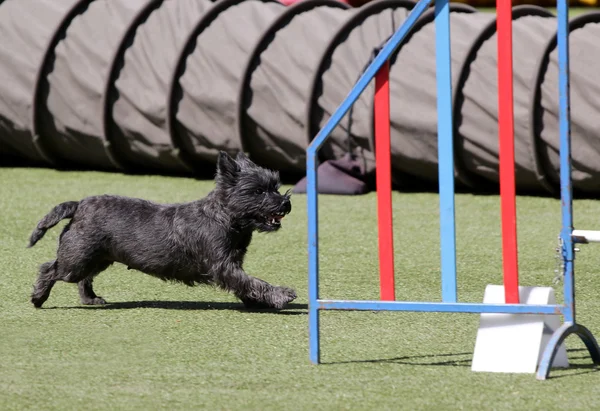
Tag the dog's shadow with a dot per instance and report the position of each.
(297, 309)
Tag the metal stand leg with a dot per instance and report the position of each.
(558, 337)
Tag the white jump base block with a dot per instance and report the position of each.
(514, 343)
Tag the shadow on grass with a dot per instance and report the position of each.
(569, 372)
(573, 369)
(458, 360)
(427, 359)
(189, 305)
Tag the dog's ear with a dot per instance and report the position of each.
(243, 160)
(227, 169)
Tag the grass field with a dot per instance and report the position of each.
(164, 346)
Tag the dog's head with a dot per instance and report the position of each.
(250, 193)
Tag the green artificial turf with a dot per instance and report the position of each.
(167, 346)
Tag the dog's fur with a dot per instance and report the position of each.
(201, 242)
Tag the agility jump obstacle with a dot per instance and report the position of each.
(568, 237)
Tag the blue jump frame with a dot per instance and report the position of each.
(446, 194)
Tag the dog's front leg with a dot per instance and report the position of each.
(254, 292)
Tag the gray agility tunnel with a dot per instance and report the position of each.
(26, 35)
(141, 107)
(159, 86)
(272, 97)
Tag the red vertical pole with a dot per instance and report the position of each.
(507, 151)
(384, 183)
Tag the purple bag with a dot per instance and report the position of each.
(345, 176)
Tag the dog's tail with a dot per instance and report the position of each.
(60, 212)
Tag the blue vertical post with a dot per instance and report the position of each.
(566, 191)
(313, 256)
(445, 150)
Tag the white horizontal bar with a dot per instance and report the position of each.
(587, 236)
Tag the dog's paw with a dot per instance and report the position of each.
(282, 296)
(38, 299)
(94, 301)
(277, 298)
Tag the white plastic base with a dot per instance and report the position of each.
(514, 343)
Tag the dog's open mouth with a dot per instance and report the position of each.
(274, 220)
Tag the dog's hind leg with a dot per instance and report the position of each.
(81, 257)
(44, 283)
(83, 274)
(87, 294)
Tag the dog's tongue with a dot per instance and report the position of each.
(278, 217)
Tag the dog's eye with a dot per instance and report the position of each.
(260, 191)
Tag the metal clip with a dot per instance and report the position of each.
(559, 266)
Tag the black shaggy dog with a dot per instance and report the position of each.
(201, 242)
